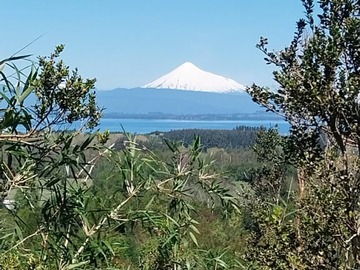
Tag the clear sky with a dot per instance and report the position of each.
(128, 43)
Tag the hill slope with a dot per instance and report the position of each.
(142, 101)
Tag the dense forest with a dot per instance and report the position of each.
(240, 137)
(242, 199)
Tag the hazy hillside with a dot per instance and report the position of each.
(139, 100)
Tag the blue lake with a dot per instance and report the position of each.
(142, 126)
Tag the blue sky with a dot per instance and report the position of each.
(128, 43)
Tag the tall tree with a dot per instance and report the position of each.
(318, 78)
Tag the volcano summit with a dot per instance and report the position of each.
(189, 77)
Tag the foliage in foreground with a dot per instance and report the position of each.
(56, 215)
(79, 204)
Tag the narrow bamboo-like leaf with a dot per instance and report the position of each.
(169, 239)
(87, 142)
(171, 146)
(107, 244)
(76, 265)
(2, 94)
(25, 94)
(13, 58)
(150, 202)
(31, 77)
(192, 227)
(8, 84)
(193, 238)
(6, 236)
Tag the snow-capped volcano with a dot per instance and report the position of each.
(189, 77)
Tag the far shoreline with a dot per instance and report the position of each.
(258, 116)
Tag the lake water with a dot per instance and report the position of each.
(142, 126)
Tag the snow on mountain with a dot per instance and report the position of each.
(189, 77)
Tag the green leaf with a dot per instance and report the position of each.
(107, 244)
(171, 146)
(8, 85)
(13, 58)
(76, 265)
(193, 238)
(192, 227)
(150, 202)
(87, 142)
(25, 94)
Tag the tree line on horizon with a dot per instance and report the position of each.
(239, 137)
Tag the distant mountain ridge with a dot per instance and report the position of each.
(173, 101)
(191, 78)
